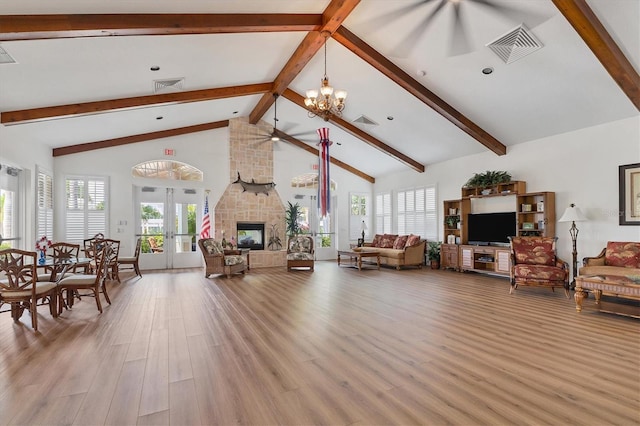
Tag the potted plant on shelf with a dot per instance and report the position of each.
(433, 254)
(488, 179)
(452, 221)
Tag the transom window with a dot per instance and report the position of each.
(167, 169)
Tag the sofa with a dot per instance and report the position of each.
(613, 272)
(617, 258)
(397, 250)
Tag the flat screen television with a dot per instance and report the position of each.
(491, 228)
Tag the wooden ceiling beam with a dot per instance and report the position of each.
(109, 143)
(404, 80)
(97, 107)
(34, 27)
(598, 39)
(365, 137)
(298, 143)
(332, 19)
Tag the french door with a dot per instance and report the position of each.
(167, 222)
(323, 229)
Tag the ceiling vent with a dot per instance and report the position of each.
(169, 85)
(5, 58)
(365, 120)
(515, 44)
(148, 189)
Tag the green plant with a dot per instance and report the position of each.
(487, 179)
(452, 221)
(433, 250)
(292, 218)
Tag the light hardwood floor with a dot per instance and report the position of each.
(335, 346)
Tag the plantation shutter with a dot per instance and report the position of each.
(85, 208)
(44, 204)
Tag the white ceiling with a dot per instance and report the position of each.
(557, 89)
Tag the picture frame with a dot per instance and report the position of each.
(528, 226)
(629, 194)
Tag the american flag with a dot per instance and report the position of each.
(206, 224)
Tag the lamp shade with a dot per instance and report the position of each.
(363, 226)
(572, 214)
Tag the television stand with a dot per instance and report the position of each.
(485, 259)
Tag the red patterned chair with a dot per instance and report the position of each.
(534, 262)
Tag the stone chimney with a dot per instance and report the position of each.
(253, 159)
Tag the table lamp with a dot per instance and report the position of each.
(573, 214)
(363, 227)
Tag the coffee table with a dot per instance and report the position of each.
(627, 287)
(358, 255)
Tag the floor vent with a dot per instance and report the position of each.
(515, 44)
(5, 58)
(169, 85)
(365, 120)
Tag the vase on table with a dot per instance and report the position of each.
(42, 258)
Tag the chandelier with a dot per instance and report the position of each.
(326, 102)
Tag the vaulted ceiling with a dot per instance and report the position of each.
(82, 76)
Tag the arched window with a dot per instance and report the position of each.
(309, 180)
(167, 169)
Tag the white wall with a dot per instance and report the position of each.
(581, 167)
(25, 154)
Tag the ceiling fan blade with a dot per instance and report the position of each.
(515, 14)
(409, 41)
(459, 41)
(382, 20)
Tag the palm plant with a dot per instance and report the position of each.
(292, 218)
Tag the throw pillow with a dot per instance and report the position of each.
(400, 242)
(376, 240)
(621, 253)
(412, 240)
(534, 250)
(388, 240)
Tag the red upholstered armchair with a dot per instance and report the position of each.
(534, 262)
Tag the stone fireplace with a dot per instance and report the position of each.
(253, 159)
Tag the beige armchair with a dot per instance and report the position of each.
(300, 252)
(220, 261)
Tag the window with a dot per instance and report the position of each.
(10, 188)
(358, 212)
(44, 204)
(86, 213)
(383, 213)
(416, 212)
(166, 169)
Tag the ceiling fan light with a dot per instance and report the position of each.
(341, 95)
(275, 138)
(309, 101)
(312, 94)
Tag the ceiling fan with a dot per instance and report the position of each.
(459, 41)
(277, 135)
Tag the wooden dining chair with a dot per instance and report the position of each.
(131, 262)
(96, 283)
(90, 246)
(19, 286)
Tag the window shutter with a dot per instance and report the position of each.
(86, 208)
(44, 205)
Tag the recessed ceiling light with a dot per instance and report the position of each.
(155, 68)
(487, 71)
(390, 117)
(159, 117)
